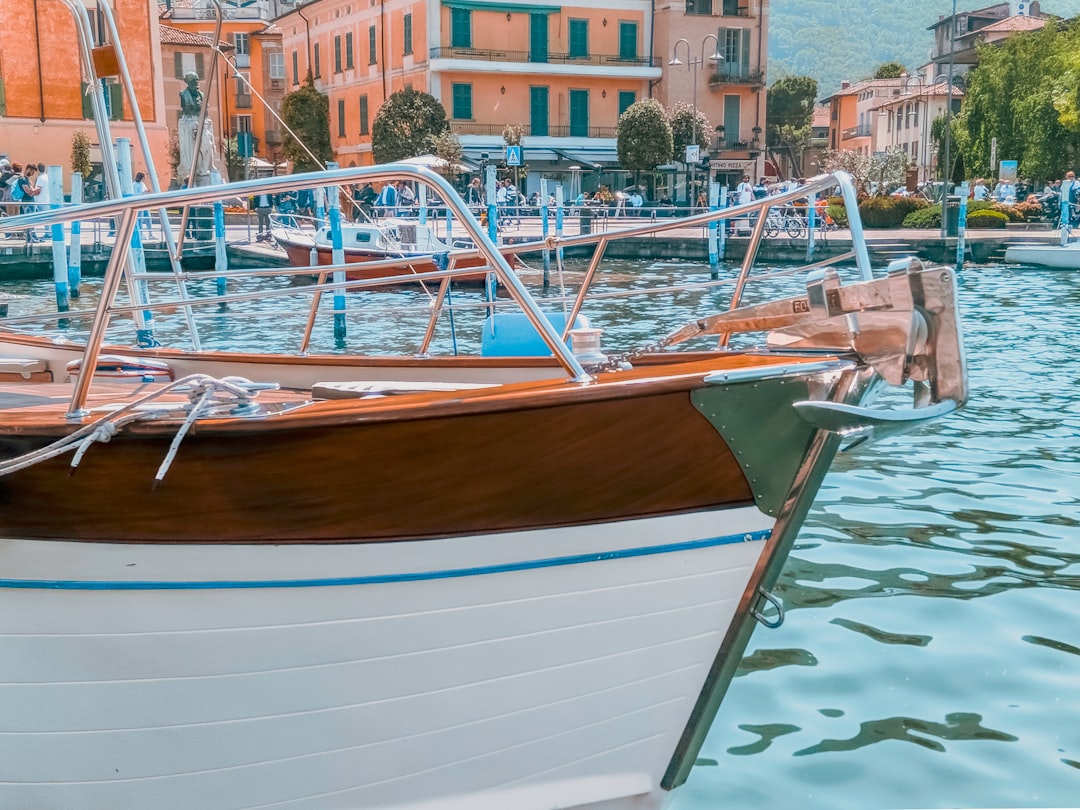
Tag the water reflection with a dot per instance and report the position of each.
(958, 726)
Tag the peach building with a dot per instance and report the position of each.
(42, 85)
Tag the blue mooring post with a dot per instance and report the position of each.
(337, 256)
(421, 201)
(144, 319)
(560, 204)
(320, 200)
(811, 225)
(961, 228)
(544, 229)
(722, 224)
(75, 239)
(492, 211)
(60, 268)
(221, 257)
(714, 227)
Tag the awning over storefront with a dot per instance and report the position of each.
(590, 158)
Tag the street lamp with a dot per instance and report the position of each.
(693, 65)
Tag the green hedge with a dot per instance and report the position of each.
(929, 217)
(987, 219)
(888, 212)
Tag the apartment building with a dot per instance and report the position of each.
(721, 48)
(852, 109)
(43, 100)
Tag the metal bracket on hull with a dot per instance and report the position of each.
(772, 624)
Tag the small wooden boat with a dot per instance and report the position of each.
(1060, 257)
(416, 577)
(409, 241)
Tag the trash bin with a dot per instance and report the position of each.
(952, 215)
(585, 220)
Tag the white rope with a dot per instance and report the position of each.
(204, 393)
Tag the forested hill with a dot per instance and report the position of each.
(832, 41)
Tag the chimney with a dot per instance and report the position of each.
(845, 84)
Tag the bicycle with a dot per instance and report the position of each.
(779, 220)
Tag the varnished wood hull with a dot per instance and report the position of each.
(300, 256)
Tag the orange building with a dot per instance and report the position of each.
(852, 109)
(564, 74)
(42, 83)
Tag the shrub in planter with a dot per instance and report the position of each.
(928, 217)
(888, 212)
(987, 219)
(838, 214)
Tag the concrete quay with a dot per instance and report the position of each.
(19, 260)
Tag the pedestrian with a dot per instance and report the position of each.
(42, 201)
(745, 192)
(26, 194)
(1005, 192)
(264, 204)
(386, 202)
(139, 187)
(979, 191)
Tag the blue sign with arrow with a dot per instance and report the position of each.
(513, 155)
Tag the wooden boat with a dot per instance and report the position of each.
(410, 243)
(415, 579)
(1060, 257)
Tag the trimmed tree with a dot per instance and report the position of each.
(789, 111)
(688, 126)
(307, 113)
(644, 138)
(80, 154)
(890, 70)
(405, 125)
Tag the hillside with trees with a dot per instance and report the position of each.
(832, 41)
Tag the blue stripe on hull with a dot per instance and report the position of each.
(378, 579)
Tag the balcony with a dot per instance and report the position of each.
(861, 131)
(470, 128)
(736, 75)
(488, 55)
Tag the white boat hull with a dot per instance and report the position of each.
(1062, 257)
(531, 670)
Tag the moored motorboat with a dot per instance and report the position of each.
(1061, 257)
(416, 576)
(410, 242)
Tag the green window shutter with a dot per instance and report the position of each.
(341, 118)
(626, 99)
(316, 70)
(116, 101)
(538, 111)
(295, 67)
(363, 115)
(87, 105)
(628, 40)
(579, 38)
(178, 65)
(199, 66)
(372, 50)
(744, 54)
(462, 101)
(460, 28)
(337, 54)
(538, 37)
(407, 33)
(579, 113)
(732, 106)
(349, 51)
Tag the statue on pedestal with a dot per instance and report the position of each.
(191, 105)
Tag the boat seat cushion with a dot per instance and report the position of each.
(16, 369)
(511, 334)
(356, 389)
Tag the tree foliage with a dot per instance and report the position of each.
(307, 113)
(80, 154)
(834, 41)
(1023, 94)
(688, 126)
(447, 147)
(405, 125)
(790, 115)
(644, 138)
(890, 70)
(851, 161)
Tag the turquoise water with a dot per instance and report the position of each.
(930, 656)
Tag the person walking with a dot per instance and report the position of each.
(27, 192)
(264, 204)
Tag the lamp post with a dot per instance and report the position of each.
(693, 65)
(948, 122)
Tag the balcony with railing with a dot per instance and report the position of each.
(861, 131)
(733, 74)
(551, 58)
(471, 128)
